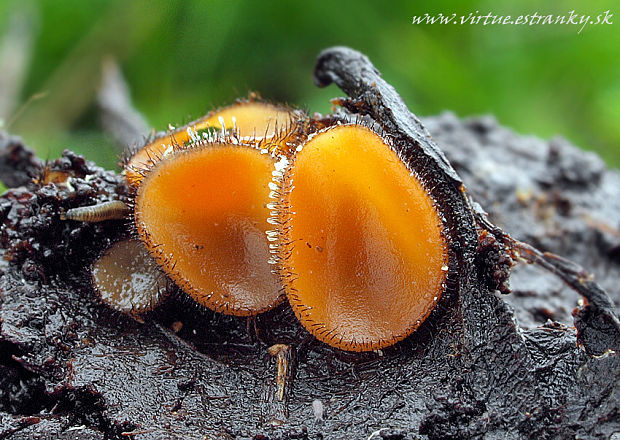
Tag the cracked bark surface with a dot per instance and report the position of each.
(528, 364)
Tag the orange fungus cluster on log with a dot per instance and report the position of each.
(256, 202)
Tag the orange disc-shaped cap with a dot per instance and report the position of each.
(362, 253)
(252, 119)
(202, 214)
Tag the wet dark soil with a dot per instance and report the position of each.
(536, 363)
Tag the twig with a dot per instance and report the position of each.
(118, 116)
(275, 401)
(568, 271)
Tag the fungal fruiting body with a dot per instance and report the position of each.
(56, 177)
(254, 120)
(360, 245)
(202, 214)
(128, 280)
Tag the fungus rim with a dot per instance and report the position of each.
(291, 128)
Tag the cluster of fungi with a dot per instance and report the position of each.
(255, 203)
(362, 227)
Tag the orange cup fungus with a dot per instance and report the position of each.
(359, 242)
(202, 213)
(250, 120)
(360, 246)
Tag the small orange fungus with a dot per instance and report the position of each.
(361, 249)
(55, 177)
(254, 120)
(128, 279)
(202, 214)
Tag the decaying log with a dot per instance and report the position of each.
(484, 365)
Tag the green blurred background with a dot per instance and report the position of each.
(182, 58)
